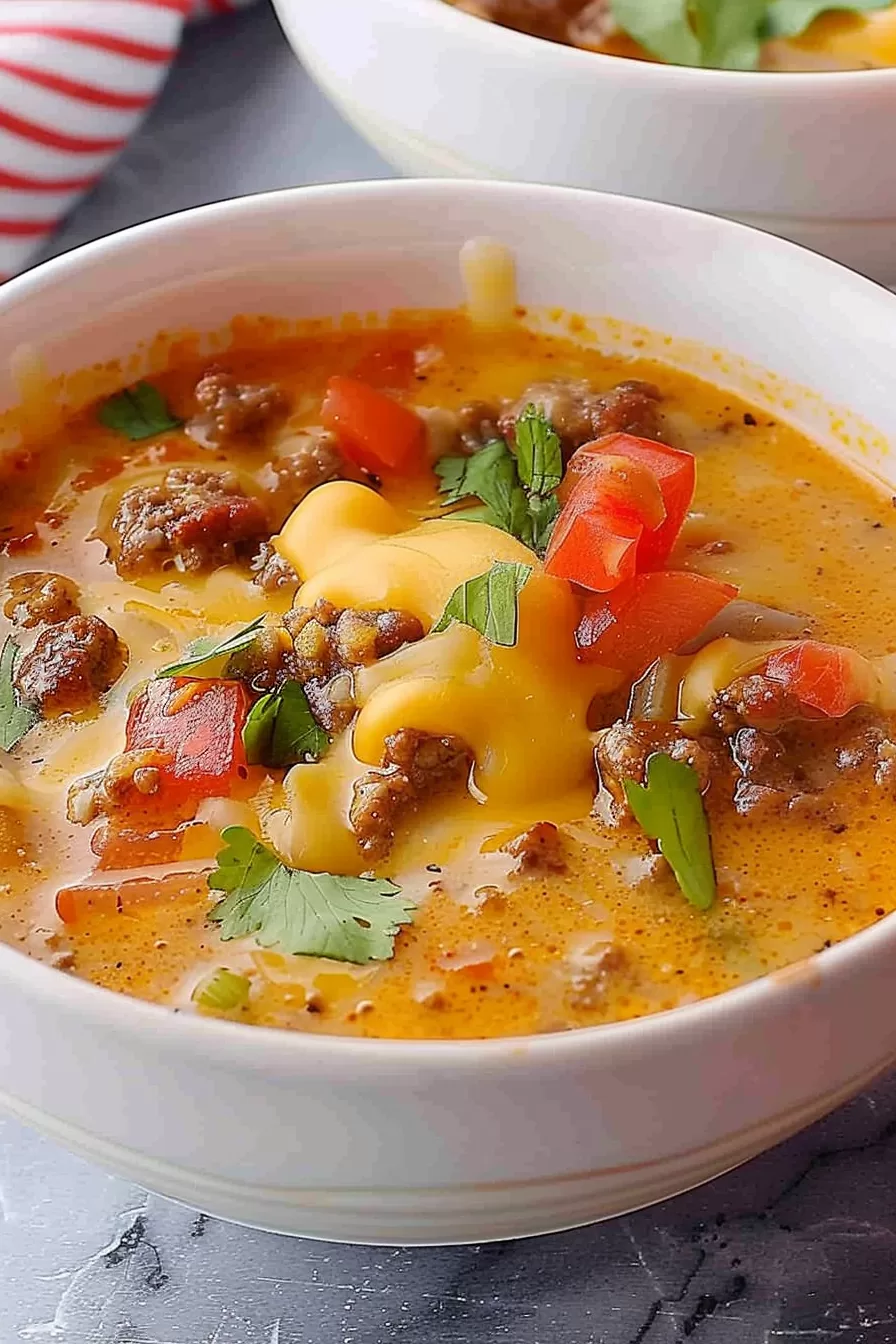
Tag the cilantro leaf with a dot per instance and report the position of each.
(281, 730)
(312, 914)
(137, 412)
(723, 34)
(452, 474)
(16, 719)
(670, 809)
(662, 26)
(789, 18)
(492, 476)
(209, 647)
(543, 511)
(538, 457)
(489, 603)
(464, 476)
(729, 32)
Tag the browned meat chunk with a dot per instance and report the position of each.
(288, 479)
(799, 763)
(622, 752)
(319, 646)
(38, 598)
(580, 415)
(192, 520)
(630, 408)
(228, 409)
(130, 776)
(767, 777)
(415, 766)
(755, 701)
(539, 849)
(477, 423)
(71, 665)
(272, 572)
(329, 640)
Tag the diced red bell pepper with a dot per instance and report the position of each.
(373, 430)
(650, 615)
(122, 898)
(824, 677)
(675, 473)
(197, 729)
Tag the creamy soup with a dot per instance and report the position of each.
(440, 681)
(774, 36)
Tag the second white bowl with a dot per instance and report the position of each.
(441, 93)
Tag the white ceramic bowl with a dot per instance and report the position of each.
(404, 1142)
(441, 93)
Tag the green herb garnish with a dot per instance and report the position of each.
(221, 992)
(489, 603)
(724, 34)
(539, 459)
(670, 809)
(16, 719)
(515, 490)
(137, 412)
(490, 475)
(210, 647)
(543, 510)
(281, 730)
(313, 914)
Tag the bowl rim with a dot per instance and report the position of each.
(259, 1047)
(648, 75)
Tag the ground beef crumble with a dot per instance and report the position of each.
(622, 751)
(287, 479)
(40, 598)
(415, 766)
(131, 776)
(230, 409)
(71, 665)
(579, 414)
(272, 572)
(539, 849)
(320, 646)
(191, 520)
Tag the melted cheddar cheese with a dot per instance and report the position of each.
(513, 706)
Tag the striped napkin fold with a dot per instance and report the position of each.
(76, 79)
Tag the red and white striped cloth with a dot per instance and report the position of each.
(76, 79)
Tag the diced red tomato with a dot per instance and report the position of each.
(118, 846)
(675, 473)
(373, 430)
(595, 539)
(650, 615)
(122, 898)
(197, 728)
(824, 677)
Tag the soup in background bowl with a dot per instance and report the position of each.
(172, 470)
(840, 37)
